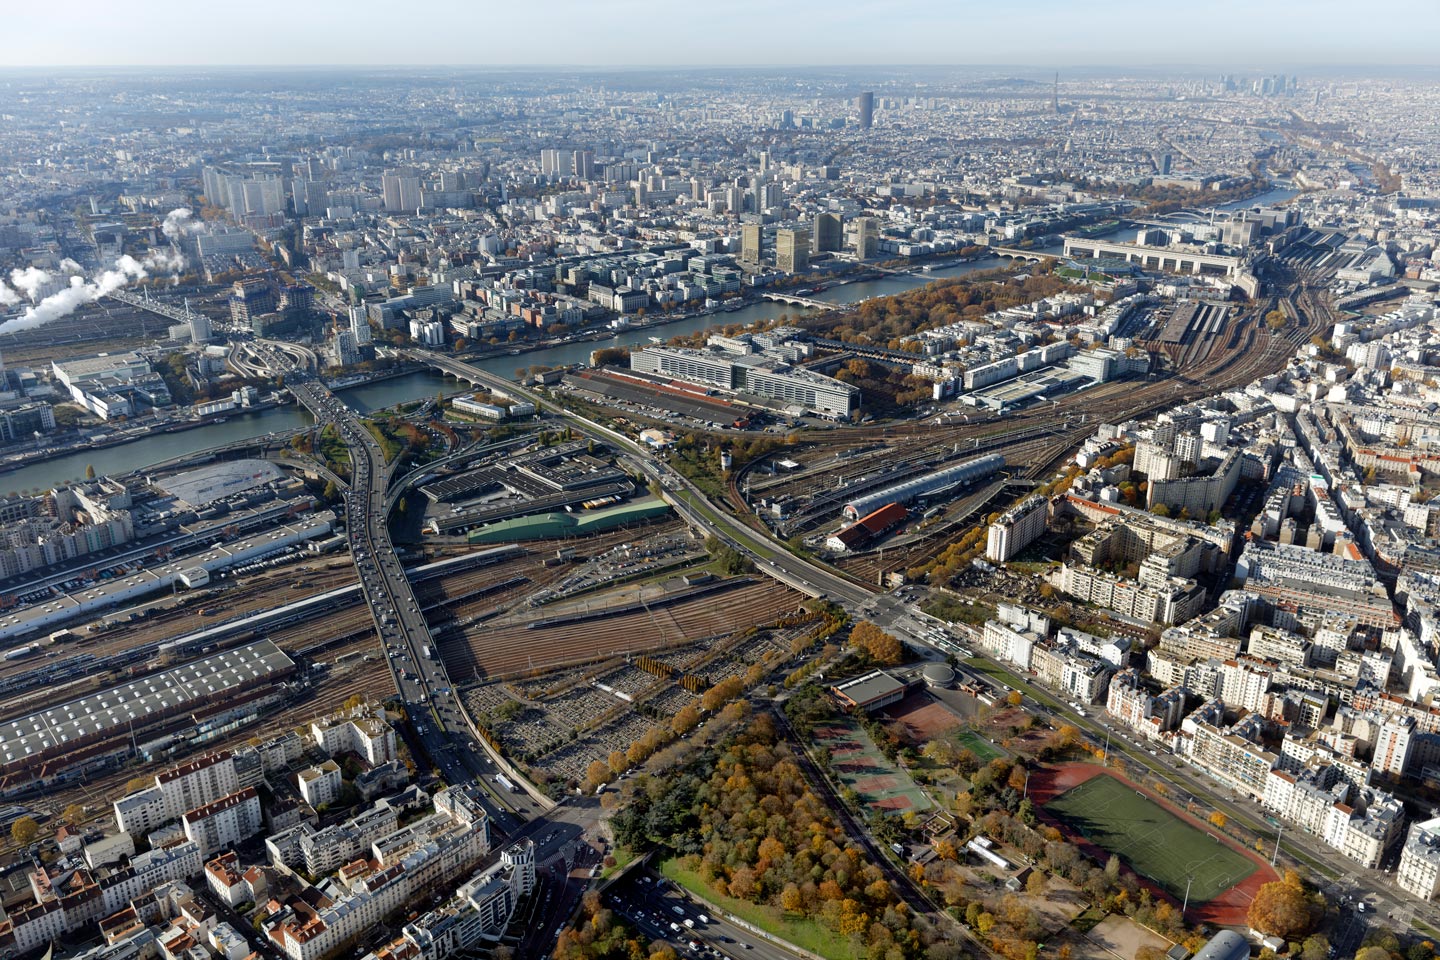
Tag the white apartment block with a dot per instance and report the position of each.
(320, 785)
(1243, 685)
(225, 822)
(177, 790)
(1010, 643)
(1419, 872)
(1016, 529)
(1084, 677)
(370, 737)
(1232, 759)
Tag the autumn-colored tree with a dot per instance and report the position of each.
(1373, 953)
(1219, 819)
(721, 694)
(24, 831)
(882, 647)
(597, 773)
(790, 899)
(1015, 698)
(685, 720)
(1035, 884)
(617, 762)
(1281, 908)
(73, 814)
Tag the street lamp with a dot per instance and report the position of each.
(1280, 830)
(1188, 880)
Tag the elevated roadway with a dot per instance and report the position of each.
(419, 674)
(772, 560)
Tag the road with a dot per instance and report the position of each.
(649, 904)
(419, 675)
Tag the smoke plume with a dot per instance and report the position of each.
(31, 281)
(178, 223)
(8, 297)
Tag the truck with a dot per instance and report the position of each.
(425, 649)
(678, 911)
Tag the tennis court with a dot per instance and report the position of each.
(860, 765)
(1150, 840)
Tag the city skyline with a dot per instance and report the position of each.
(634, 34)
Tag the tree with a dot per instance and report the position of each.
(332, 492)
(1219, 819)
(1112, 868)
(24, 831)
(1035, 884)
(1281, 908)
(73, 814)
(89, 471)
(1160, 510)
(881, 647)
(684, 720)
(1275, 319)
(1315, 947)
(1373, 953)
(1015, 698)
(790, 899)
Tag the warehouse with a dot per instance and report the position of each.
(67, 729)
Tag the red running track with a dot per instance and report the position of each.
(1229, 909)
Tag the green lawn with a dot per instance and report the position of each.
(1154, 842)
(805, 934)
(984, 750)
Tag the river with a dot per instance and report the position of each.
(366, 398)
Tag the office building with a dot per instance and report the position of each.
(401, 191)
(360, 326)
(792, 251)
(865, 105)
(251, 297)
(752, 243)
(583, 162)
(867, 238)
(829, 232)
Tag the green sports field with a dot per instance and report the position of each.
(1153, 842)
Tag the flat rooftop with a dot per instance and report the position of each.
(203, 681)
(217, 481)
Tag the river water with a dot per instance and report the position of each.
(366, 398)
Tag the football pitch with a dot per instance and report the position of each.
(1153, 842)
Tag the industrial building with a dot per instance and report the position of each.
(871, 692)
(911, 490)
(760, 376)
(80, 728)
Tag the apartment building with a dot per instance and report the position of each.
(225, 822)
(1231, 758)
(177, 790)
(1419, 871)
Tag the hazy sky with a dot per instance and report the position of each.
(570, 33)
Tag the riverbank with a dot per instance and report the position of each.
(164, 427)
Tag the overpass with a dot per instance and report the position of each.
(771, 559)
(430, 697)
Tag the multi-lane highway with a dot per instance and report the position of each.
(420, 678)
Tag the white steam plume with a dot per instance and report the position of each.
(82, 291)
(178, 223)
(30, 281)
(8, 297)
